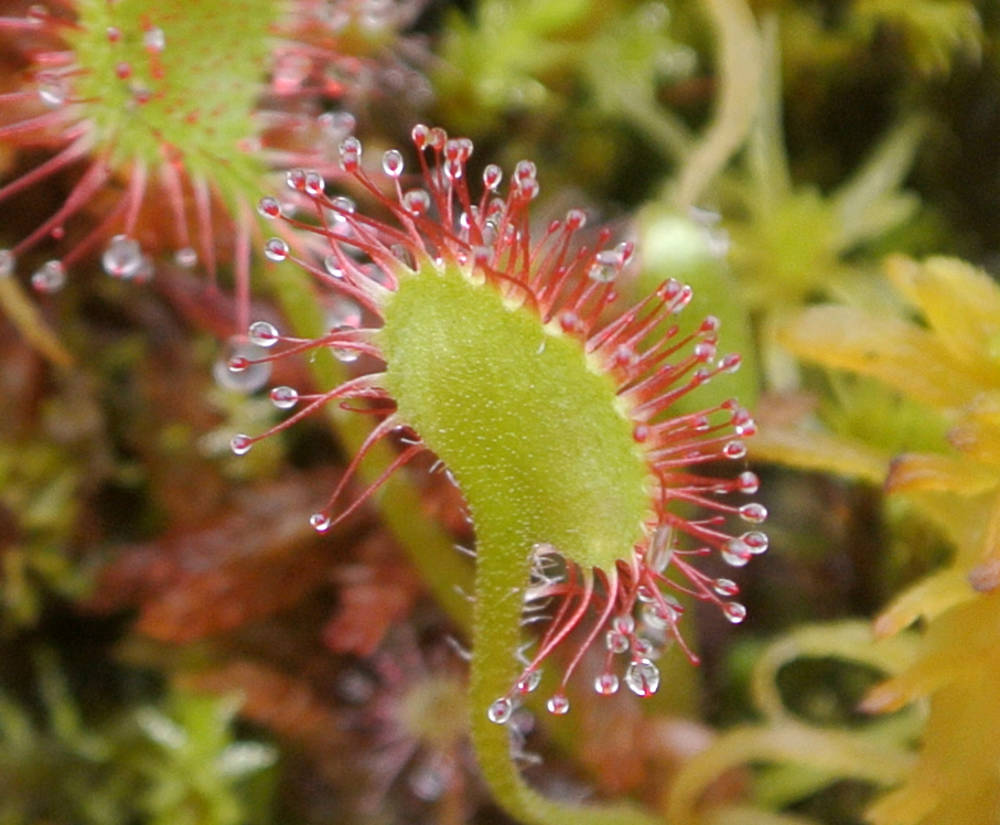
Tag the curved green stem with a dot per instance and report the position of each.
(665, 130)
(739, 71)
(496, 630)
(24, 315)
(833, 753)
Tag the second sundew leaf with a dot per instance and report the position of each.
(197, 76)
(533, 434)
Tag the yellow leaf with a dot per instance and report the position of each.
(961, 304)
(904, 356)
(932, 471)
(807, 449)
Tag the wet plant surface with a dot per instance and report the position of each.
(356, 470)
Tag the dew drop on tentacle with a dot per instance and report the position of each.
(735, 450)
(419, 135)
(276, 250)
(575, 219)
(331, 264)
(606, 684)
(263, 334)
(500, 711)
(725, 587)
(756, 541)
(731, 363)
(558, 705)
(284, 397)
(529, 681)
(49, 277)
(643, 648)
(350, 154)
(417, 202)
(314, 184)
(658, 615)
(240, 444)
(735, 552)
(642, 677)
(492, 176)
(616, 642)
(269, 208)
(320, 522)
(623, 624)
(122, 257)
(345, 355)
(335, 126)
(606, 266)
(753, 513)
(295, 179)
(238, 367)
(392, 163)
(734, 612)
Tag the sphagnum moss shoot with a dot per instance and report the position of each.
(555, 423)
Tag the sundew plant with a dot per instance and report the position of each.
(499, 412)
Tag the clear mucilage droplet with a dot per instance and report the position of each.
(529, 681)
(122, 257)
(268, 207)
(320, 522)
(284, 398)
(756, 541)
(605, 266)
(616, 642)
(416, 202)
(606, 684)
(734, 612)
(642, 677)
(735, 552)
(238, 367)
(725, 587)
(392, 163)
(558, 705)
(753, 513)
(49, 277)
(276, 250)
(240, 444)
(499, 712)
(263, 334)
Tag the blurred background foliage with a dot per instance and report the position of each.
(178, 646)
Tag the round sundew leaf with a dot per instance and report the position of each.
(530, 427)
(184, 75)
